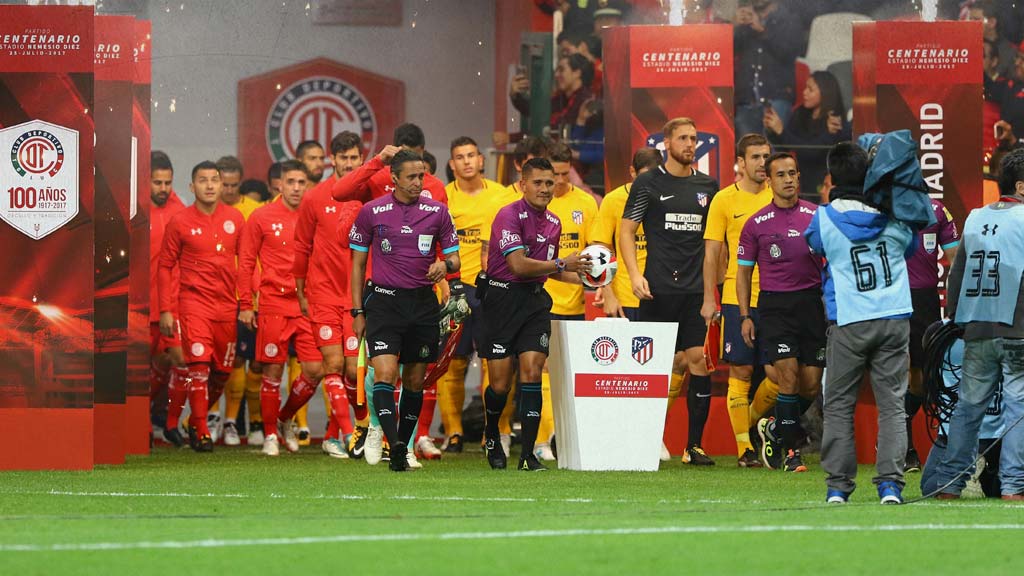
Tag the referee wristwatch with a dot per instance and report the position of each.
(746, 317)
(559, 265)
(356, 312)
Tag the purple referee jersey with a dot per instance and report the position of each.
(401, 239)
(923, 266)
(773, 238)
(520, 226)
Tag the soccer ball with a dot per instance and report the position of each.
(603, 266)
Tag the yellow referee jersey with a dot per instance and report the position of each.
(577, 210)
(729, 211)
(606, 231)
(472, 214)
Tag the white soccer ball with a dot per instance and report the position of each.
(603, 266)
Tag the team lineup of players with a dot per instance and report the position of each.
(382, 250)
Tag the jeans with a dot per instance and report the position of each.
(750, 117)
(985, 361)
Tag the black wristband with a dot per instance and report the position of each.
(746, 317)
(456, 287)
(356, 312)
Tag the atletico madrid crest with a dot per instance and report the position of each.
(643, 349)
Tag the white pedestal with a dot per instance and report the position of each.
(609, 390)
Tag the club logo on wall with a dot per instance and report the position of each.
(317, 108)
(39, 186)
(705, 157)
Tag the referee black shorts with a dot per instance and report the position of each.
(792, 325)
(517, 319)
(403, 323)
(926, 311)
(681, 308)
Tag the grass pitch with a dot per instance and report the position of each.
(234, 510)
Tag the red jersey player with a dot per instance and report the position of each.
(202, 242)
(269, 236)
(321, 270)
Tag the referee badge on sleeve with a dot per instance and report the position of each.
(425, 242)
(551, 252)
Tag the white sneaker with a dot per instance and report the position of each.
(216, 426)
(506, 443)
(543, 452)
(373, 448)
(425, 448)
(411, 461)
(231, 434)
(291, 440)
(665, 456)
(270, 447)
(334, 448)
(255, 435)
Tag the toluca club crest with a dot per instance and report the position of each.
(40, 190)
(317, 108)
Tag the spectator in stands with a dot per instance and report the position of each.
(1010, 97)
(767, 40)
(573, 76)
(988, 13)
(701, 12)
(589, 46)
(819, 122)
(609, 13)
(587, 142)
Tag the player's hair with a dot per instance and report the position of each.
(747, 141)
(159, 160)
(1011, 171)
(409, 135)
(560, 152)
(230, 164)
(431, 161)
(292, 165)
(579, 63)
(345, 141)
(646, 158)
(463, 141)
(300, 150)
(779, 156)
(535, 146)
(274, 171)
(258, 186)
(204, 165)
(403, 157)
(674, 123)
(847, 164)
(536, 164)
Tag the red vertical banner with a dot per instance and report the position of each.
(137, 426)
(46, 230)
(656, 73)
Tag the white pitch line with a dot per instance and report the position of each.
(347, 538)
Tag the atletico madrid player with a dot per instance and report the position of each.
(269, 237)
(321, 269)
(202, 242)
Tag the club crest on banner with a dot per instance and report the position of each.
(317, 108)
(643, 349)
(41, 177)
(604, 350)
(705, 158)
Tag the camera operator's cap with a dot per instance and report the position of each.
(609, 8)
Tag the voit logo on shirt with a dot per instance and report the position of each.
(41, 179)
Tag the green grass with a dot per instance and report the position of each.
(683, 520)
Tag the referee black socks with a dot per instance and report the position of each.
(494, 405)
(531, 401)
(698, 405)
(384, 403)
(409, 410)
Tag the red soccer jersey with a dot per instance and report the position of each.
(204, 249)
(373, 180)
(159, 216)
(269, 235)
(322, 255)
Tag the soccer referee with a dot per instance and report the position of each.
(397, 311)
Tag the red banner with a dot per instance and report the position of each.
(621, 386)
(655, 73)
(313, 100)
(137, 427)
(46, 230)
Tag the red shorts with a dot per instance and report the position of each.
(158, 343)
(275, 332)
(205, 340)
(332, 326)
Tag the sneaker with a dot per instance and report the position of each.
(749, 460)
(531, 464)
(454, 444)
(291, 440)
(400, 462)
(695, 456)
(174, 437)
(947, 496)
(425, 448)
(385, 451)
(913, 462)
(373, 445)
(794, 463)
(216, 426)
(270, 447)
(304, 437)
(665, 455)
(506, 444)
(231, 437)
(771, 452)
(334, 448)
(890, 492)
(834, 496)
(543, 452)
(255, 433)
(205, 444)
(496, 457)
(411, 462)
(357, 442)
